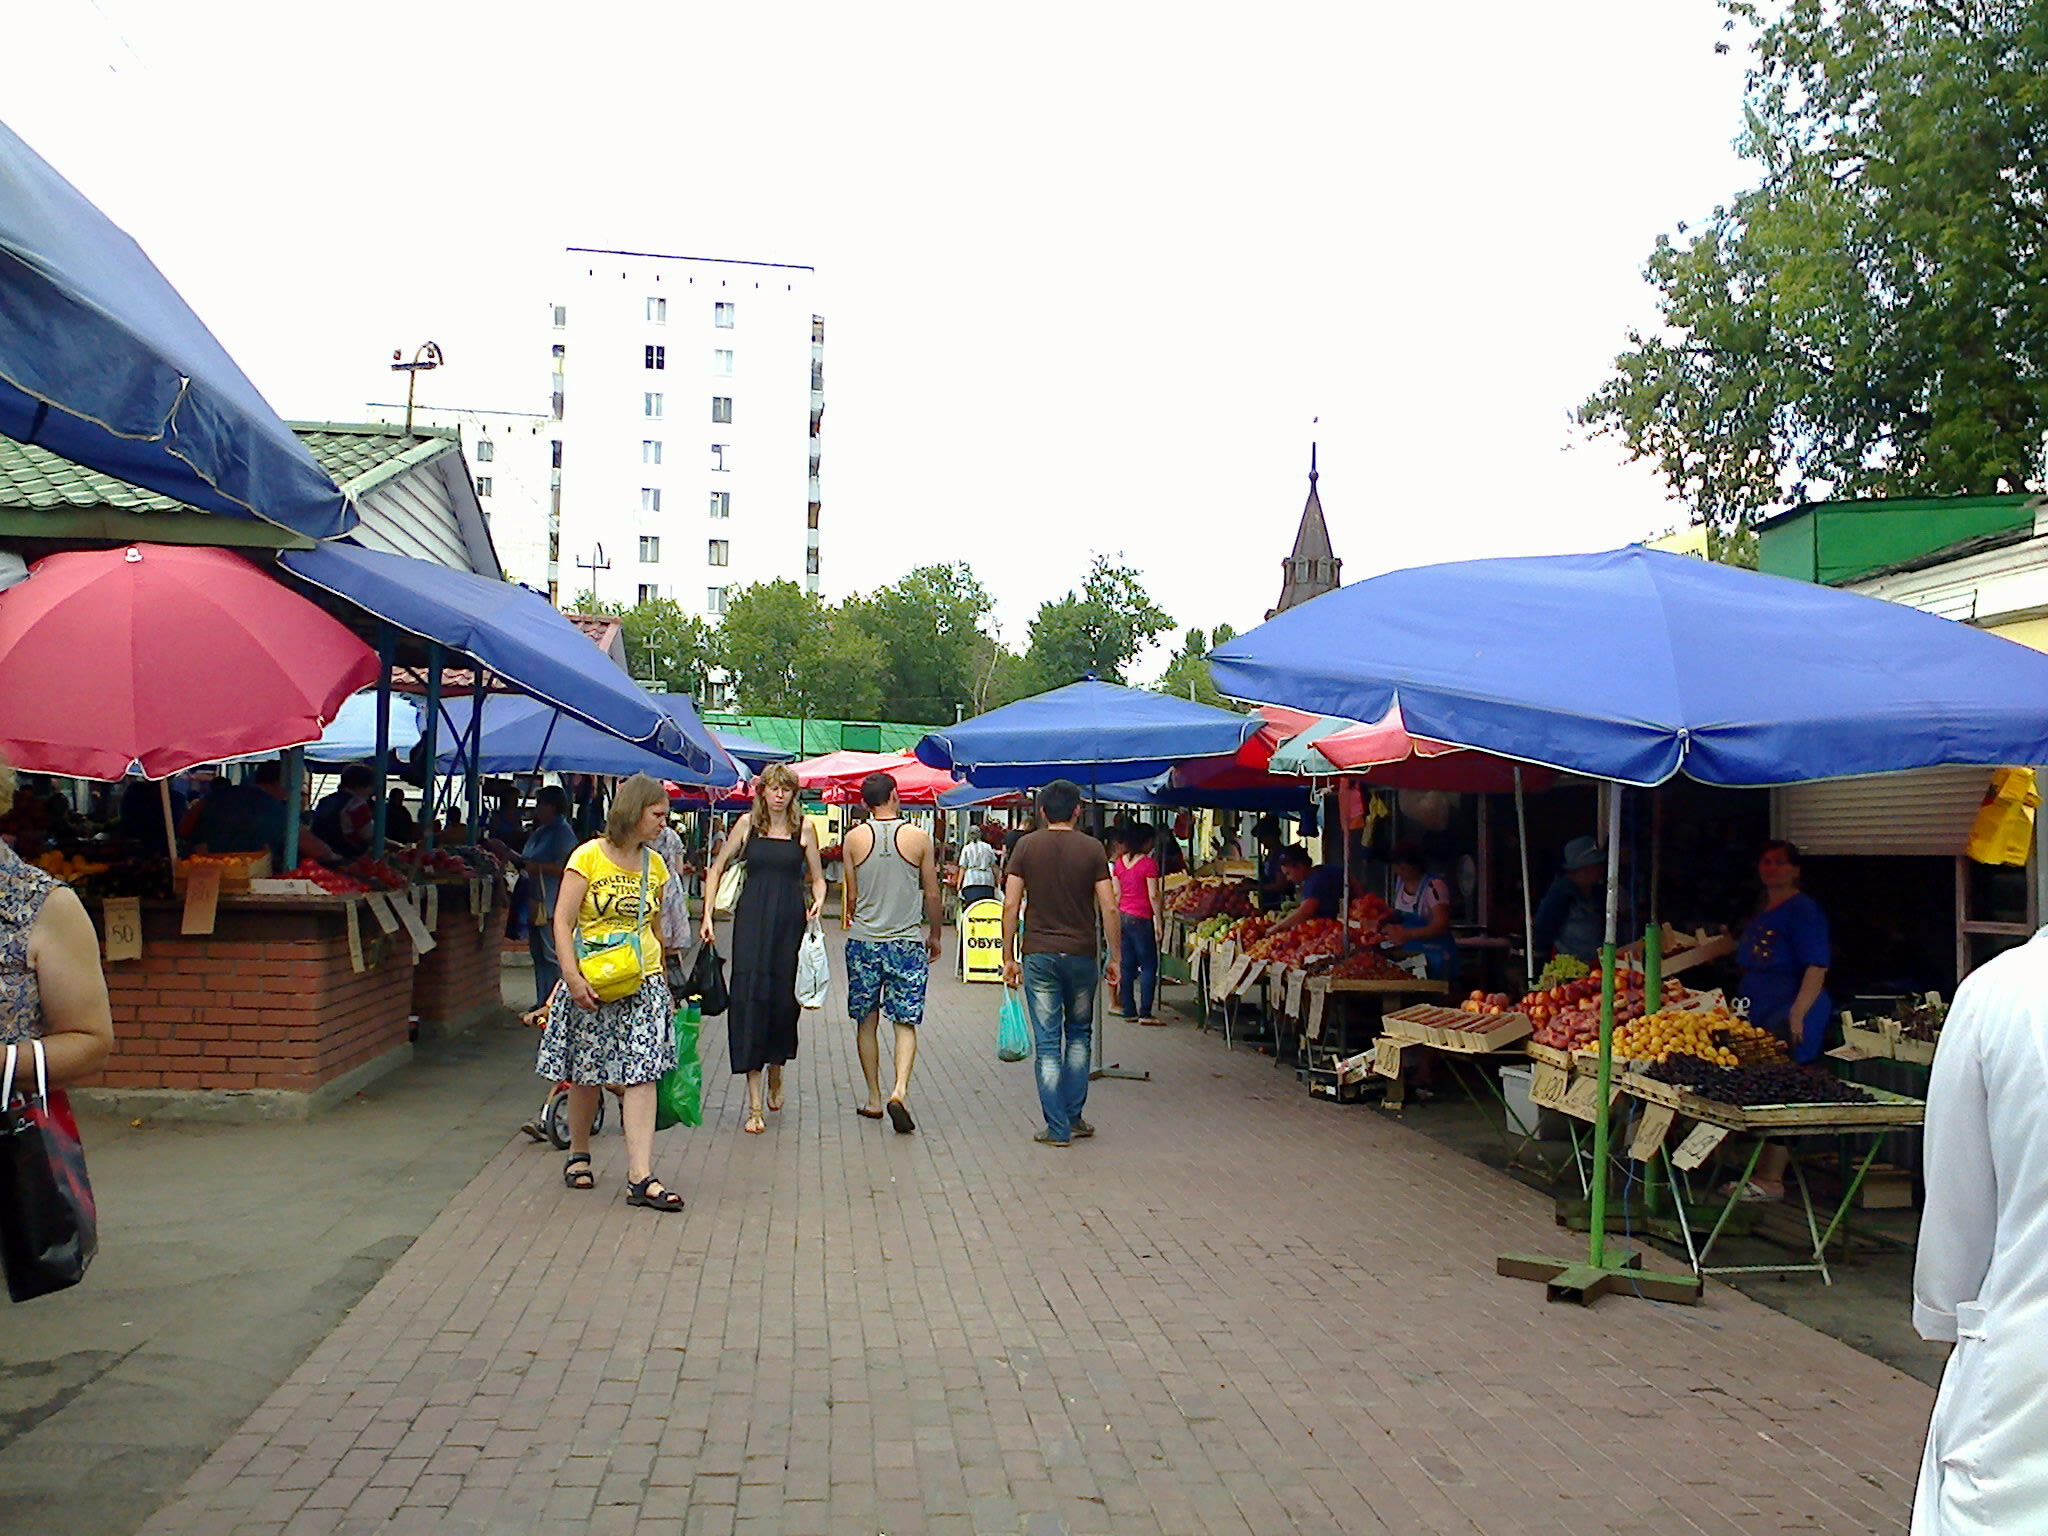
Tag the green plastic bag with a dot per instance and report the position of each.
(679, 1095)
(1013, 1028)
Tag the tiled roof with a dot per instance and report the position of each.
(356, 455)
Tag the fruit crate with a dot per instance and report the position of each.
(1887, 1109)
(1417, 986)
(236, 870)
(1452, 1029)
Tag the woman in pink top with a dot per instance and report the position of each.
(1137, 883)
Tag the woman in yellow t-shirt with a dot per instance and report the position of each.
(631, 1042)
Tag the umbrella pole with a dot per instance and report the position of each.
(1583, 1280)
(380, 812)
(473, 782)
(163, 789)
(431, 747)
(294, 799)
(1528, 905)
(1114, 1069)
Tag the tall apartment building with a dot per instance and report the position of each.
(688, 401)
(512, 455)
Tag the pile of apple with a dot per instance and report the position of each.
(1368, 965)
(1201, 899)
(1486, 1002)
(1248, 931)
(1310, 939)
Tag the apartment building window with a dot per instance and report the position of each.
(813, 515)
(721, 315)
(721, 503)
(486, 450)
(561, 316)
(652, 404)
(718, 463)
(657, 311)
(657, 357)
(483, 485)
(810, 562)
(721, 409)
(560, 352)
(554, 547)
(555, 453)
(721, 360)
(650, 549)
(650, 498)
(649, 591)
(719, 552)
(714, 599)
(650, 451)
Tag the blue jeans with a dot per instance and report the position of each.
(1059, 996)
(1141, 967)
(547, 970)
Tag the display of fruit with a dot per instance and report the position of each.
(1486, 1002)
(332, 881)
(1247, 931)
(1367, 965)
(1923, 1020)
(1676, 1032)
(1368, 913)
(441, 864)
(375, 874)
(1309, 939)
(1561, 969)
(1750, 1086)
(1210, 929)
(1201, 899)
(70, 867)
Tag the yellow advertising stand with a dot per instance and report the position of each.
(981, 942)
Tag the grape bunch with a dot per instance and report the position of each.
(1759, 1084)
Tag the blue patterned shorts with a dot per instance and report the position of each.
(888, 976)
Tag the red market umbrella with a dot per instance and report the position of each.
(166, 656)
(916, 783)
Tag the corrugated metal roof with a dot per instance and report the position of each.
(814, 738)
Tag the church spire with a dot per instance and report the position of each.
(1313, 568)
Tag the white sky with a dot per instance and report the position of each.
(1089, 270)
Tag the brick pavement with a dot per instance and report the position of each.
(1237, 1310)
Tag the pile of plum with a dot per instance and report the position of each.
(1780, 1084)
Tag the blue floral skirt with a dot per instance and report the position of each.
(630, 1041)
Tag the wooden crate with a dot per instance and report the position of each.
(1887, 1108)
(236, 870)
(1419, 987)
(1451, 1029)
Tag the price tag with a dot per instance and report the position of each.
(202, 899)
(433, 918)
(1698, 1146)
(1549, 1085)
(1296, 981)
(1652, 1127)
(1250, 974)
(1583, 1101)
(1318, 1000)
(380, 909)
(422, 938)
(480, 902)
(123, 918)
(355, 937)
(1386, 1056)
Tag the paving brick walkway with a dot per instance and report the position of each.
(1237, 1310)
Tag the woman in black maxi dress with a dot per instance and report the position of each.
(767, 928)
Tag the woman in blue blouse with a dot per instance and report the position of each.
(1784, 953)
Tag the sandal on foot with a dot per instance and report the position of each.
(899, 1116)
(576, 1171)
(644, 1192)
(755, 1124)
(868, 1114)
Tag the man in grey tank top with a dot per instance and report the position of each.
(891, 882)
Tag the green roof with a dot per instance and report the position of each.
(1835, 542)
(814, 738)
(358, 456)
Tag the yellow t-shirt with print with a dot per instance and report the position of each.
(611, 902)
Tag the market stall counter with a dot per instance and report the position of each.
(456, 984)
(290, 1003)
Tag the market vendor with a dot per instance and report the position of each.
(1422, 913)
(241, 818)
(346, 819)
(1321, 887)
(1272, 887)
(1572, 917)
(1784, 953)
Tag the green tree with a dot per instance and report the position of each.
(1099, 629)
(928, 629)
(1187, 672)
(1872, 316)
(790, 653)
(664, 644)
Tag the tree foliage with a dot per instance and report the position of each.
(790, 653)
(1872, 316)
(665, 645)
(928, 627)
(1099, 629)
(1187, 670)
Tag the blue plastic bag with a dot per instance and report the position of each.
(1013, 1028)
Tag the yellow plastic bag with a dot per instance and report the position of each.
(2004, 830)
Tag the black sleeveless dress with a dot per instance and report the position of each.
(767, 928)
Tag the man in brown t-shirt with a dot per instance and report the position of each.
(1063, 874)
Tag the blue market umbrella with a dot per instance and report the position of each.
(524, 735)
(1084, 731)
(102, 362)
(755, 754)
(1635, 665)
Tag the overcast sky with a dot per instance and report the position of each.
(1089, 270)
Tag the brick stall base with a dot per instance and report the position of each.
(455, 986)
(266, 1016)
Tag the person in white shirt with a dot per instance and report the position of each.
(1981, 1277)
(977, 869)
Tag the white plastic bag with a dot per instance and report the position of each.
(813, 970)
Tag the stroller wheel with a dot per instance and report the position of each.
(556, 1118)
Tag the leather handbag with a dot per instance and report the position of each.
(49, 1228)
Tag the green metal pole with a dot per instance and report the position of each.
(1653, 999)
(1602, 1130)
(430, 746)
